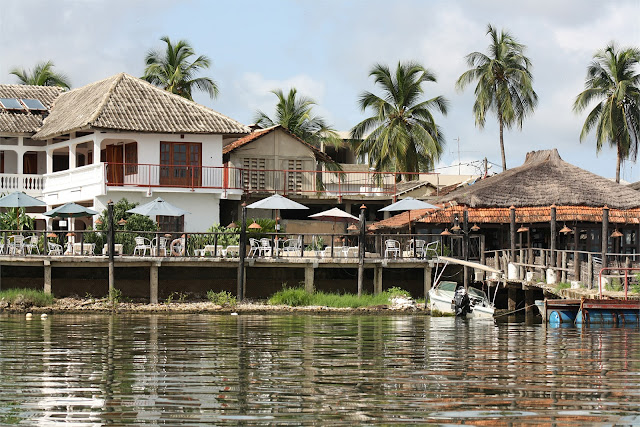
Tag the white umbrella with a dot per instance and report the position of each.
(335, 215)
(158, 207)
(276, 202)
(408, 204)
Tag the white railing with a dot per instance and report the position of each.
(30, 184)
(74, 178)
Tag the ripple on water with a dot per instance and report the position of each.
(300, 369)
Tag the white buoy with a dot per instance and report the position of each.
(43, 316)
(29, 315)
(234, 314)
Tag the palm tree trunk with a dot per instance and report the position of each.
(618, 162)
(504, 159)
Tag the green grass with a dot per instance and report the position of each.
(298, 297)
(29, 297)
(222, 298)
(562, 285)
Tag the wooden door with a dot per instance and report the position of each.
(180, 164)
(115, 171)
(30, 162)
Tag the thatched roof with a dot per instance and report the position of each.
(19, 122)
(257, 134)
(635, 186)
(545, 179)
(126, 103)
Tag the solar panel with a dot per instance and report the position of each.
(11, 104)
(34, 104)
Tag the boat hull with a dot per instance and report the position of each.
(441, 301)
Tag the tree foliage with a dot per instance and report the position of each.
(175, 70)
(295, 113)
(504, 83)
(41, 75)
(402, 134)
(613, 81)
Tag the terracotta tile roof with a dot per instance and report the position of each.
(259, 133)
(527, 215)
(123, 102)
(18, 122)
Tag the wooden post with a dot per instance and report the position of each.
(465, 245)
(564, 267)
(153, 283)
(111, 245)
(512, 232)
(377, 279)
(552, 238)
(47, 277)
(605, 234)
(309, 272)
(589, 271)
(529, 302)
(576, 255)
(496, 260)
(361, 250)
(511, 294)
(427, 284)
(483, 257)
(242, 253)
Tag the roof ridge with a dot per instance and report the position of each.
(185, 100)
(116, 79)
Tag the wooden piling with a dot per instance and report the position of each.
(511, 294)
(552, 238)
(512, 232)
(563, 275)
(111, 245)
(529, 302)
(605, 234)
(361, 248)
(241, 275)
(309, 273)
(47, 277)
(377, 279)
(427, 282)
(153, 283)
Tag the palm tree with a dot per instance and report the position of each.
(41, 75)
(504, 83)
(171, 70)
(295, 113)
(613, 80)
(402, 134)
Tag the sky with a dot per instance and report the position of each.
(326, 49)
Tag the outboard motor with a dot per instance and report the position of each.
(461, 303)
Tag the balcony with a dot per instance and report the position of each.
(302, 183)
(33, 185)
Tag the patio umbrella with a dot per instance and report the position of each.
(408, 204)
(276, 202)
(19, 199)
(70, 210)
(335, 215)
(159, 207)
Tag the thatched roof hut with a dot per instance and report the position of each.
(545, 179)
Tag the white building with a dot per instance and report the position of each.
(118, 137)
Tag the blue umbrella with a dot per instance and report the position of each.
(19, 199)
(71, 210)
(158, 207)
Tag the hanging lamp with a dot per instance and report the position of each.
(475, 227)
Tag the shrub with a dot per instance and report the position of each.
(293, 297)
(26, 297)
(562, 285)
(614, 285)
(397, 292)
(222, 298)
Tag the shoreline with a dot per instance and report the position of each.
(84, 306)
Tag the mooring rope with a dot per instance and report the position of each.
(514, 311)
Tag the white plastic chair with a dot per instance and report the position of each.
(54, 248)
(419, 251)
(255, 246)
(265, 247)
(431, 249)
(391, 247)
(32, 243)
(292, 245)
(142, 244)
(16, 245)
(159, 246)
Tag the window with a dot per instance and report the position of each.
(131, 158)
(294, 179)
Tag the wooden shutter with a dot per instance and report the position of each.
(131, 158)
(254, 174)
(294, 179)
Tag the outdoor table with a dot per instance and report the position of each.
(233, 249)
(117, 249)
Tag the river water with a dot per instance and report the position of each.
(312, 369)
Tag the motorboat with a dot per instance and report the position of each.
(449, 297)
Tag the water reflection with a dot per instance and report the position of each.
(186, 369)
